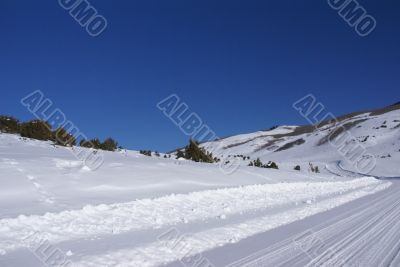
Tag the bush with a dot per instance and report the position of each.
(197, 154)
(63, 138)
(180, 154)
(145, 152)
(94, 143)
(271, 165)
(9, 124)
(316, 169)
(42, 130)
(109, 144)
(297, 168)
(258, 163)
(37, 129)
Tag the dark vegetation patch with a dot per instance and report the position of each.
(42, 130)
(291, 144)
(385, 109)
(196, 153)
(267, 145)
(339, 130)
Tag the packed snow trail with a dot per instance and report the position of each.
(365, 232)
(128, 234)
(169, 210)
(193, 244)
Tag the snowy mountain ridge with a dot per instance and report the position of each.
(377, 132)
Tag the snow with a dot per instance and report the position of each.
(118, 214)
(381, 141)
(156, 253)
(166, 211)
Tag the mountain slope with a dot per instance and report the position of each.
(374, 133)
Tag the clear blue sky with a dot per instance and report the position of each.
(239, 64)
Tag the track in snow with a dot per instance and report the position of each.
(127, 234)
(365, 232)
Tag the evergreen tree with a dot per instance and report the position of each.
(94, 143)
(9, 124)
(109, 144)
(272, 165)
(180, 154)
(63, 138)
(37, 129)
(197, 154)
(145, 152)
(258, 163)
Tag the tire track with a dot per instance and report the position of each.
(289, 252)
(328, 236)
(44, 195)
(353, 243)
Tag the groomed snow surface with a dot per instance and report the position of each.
(141, 211)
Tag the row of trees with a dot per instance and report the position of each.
(258, 163)
(42, 130)
(109, 144)
(149, 153)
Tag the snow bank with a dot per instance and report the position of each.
(166, 211)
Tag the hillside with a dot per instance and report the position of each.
(124, 212)
(373, 133)
(115, 215)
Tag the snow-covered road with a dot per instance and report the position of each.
(364, 232)
(152, 232)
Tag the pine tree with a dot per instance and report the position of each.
(63, 138)
(109, 144)
(9, 124)
(197, 154)
(180, 154)
(93, 143)
(258, 163)
(37, 129)
(272, 165)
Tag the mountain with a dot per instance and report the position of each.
(396, 104)
(136, 210)
(353, 139)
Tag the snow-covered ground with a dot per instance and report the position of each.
(123, 213)
(373, 133)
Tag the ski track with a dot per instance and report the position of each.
(44, 195)
(366, 236)
(352, 239)
(159, 253)
(165, 211)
